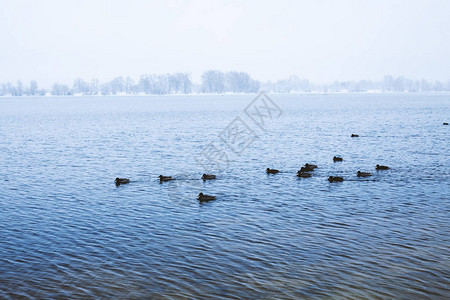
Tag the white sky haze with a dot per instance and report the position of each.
(49, 40)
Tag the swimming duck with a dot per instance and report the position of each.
(272, 171)
(120, 181)
(310, 166)
(378, 167)
(355, 135)
(201, 197)
(165, 178)
(303, 169)
(335, 179)
(208, 176)
(445, 123)
(363, 174)
(303, 174)
(337, 158)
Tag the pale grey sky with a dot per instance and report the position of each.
(322, 40)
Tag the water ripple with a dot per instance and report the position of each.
(67, 231)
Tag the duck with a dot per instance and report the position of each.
(363, 174)
(303, 174)
(378, 167)
(165, 178)
(310, 166)
(304, 169)
(201, 197)
(337, 158)
(272, 171)
(335, 179)
(208, 176)
(445, 123)
(354, 135)
(120, 181)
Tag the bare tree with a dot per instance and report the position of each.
(33, 87)
(213, 81)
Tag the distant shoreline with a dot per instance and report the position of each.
(227, 94)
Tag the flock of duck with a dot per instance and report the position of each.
(304, 172)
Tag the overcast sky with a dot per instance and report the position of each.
(56, 40)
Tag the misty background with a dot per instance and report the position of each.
(188, 46)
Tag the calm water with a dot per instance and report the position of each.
(67, 231)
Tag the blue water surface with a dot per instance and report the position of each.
(66, 230)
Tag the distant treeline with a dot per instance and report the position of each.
(218, 82)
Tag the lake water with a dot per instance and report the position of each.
(66, 230)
